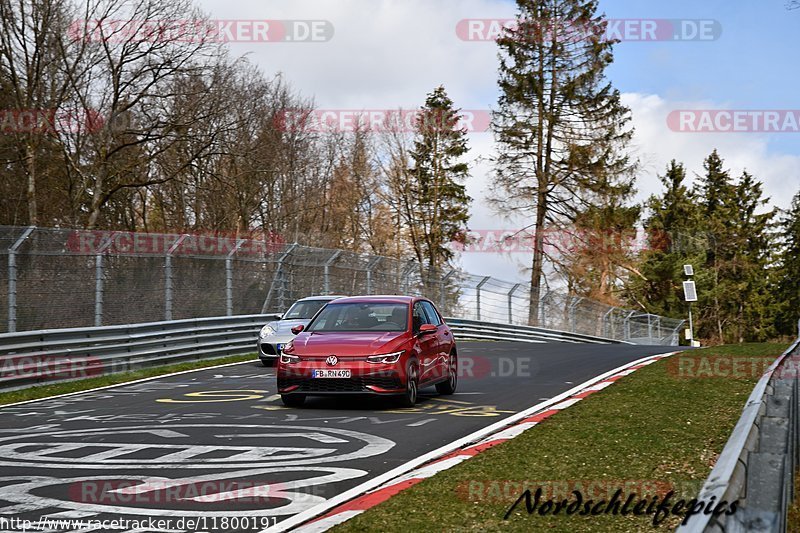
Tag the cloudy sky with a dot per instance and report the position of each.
(388, 54)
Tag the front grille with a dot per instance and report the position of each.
(356, 384)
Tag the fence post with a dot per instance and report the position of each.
(442, 290)
(278, 277)
(372, 264)
(572, 318)
(510, 298)
(99, 281)
(327, 281)
(627, 326)
(12, 279)
(407, 274)
(478, 294)
(606, 322)
(542, 305)
(229, 277)
(168, 278)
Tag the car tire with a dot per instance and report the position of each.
(409, 398)
(269, 363)
(449, 387)
(293, 400)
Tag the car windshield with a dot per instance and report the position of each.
(376, 316)
(304, 310)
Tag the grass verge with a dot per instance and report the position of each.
(659, 429)
(46, 391)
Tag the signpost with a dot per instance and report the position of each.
(690, 295)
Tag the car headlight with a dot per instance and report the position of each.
(289, 359)
(266, 331)
(386, 359)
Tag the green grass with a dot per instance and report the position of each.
(46, 391)
(650, 430)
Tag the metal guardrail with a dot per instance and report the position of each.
(47, 356)
(759, 461)
(473, 329)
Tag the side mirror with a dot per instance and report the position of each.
(298, 329)
(427, 329)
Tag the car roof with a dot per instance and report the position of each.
(379, 298)
(317, 298)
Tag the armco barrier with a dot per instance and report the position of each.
(48, 356)
(759, 461)
(473, 329)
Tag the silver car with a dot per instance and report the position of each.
(275, 334)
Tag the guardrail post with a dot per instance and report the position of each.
(372, 264)
(168, 278)
(510, 301)
(229, 277)
(12, 279)
(327, 281)
(478, 295)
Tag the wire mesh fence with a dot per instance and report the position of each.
(64, 278)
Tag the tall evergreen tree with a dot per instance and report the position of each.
(734, 300)
(560, 123)
(715, 191)
(673, 240)
(436, 205)
(788, 272)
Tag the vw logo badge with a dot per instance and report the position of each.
(332, 360)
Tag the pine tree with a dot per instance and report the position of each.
(715, 191)
(732, 284)
(437, 206)
(560, 124)
(673, 240)
(788, 272)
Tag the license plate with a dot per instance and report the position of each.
(280, 348)
(332, 374)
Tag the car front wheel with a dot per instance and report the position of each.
(410, 397)
(449, 387)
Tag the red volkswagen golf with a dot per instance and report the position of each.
(380, 345)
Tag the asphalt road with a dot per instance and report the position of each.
(217, 449)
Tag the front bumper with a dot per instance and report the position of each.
(268, 346)
(379, 382)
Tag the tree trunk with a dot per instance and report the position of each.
(33, 211)
(538, 259)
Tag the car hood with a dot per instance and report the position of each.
(284, 327)
(347, 344)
